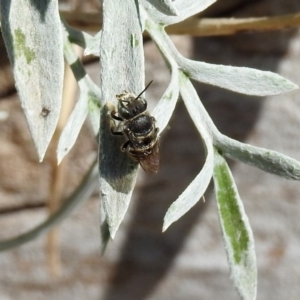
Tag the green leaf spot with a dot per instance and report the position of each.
(237, 233)
(20, 46)
(184, 76)
(230, 212)
(93, 103)
(134, 42)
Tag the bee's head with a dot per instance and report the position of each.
(130, 105)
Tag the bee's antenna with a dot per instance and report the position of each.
(144, 89)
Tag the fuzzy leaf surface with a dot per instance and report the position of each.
(237, 233)
(196, 189)
(185, 9)
(33, 38)
(267, 160)
(164, 109)
(89, 102)
(164, 6)
(121, 68)
(238, 79)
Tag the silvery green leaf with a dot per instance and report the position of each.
(89, 101)
(93, 98)
(166, 105)
(33, 38)
(185, 8)
(188, 8)
(237, 233)
(76, 36)
(70, 132)
(121, 68)
(162, 41)
(86, 102)
(198, 186)
(239, 79)
(267, 160)
(164, 6)
(192, 194)
(197, 111)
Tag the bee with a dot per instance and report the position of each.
(138, 126)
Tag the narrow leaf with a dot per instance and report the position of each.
(238, 79)
(164, 6)
(267, 160)
(192, 193)
(237, 233)
(185, 9)
(89, 101)
(164, 109)
(188, 8)
(76, 36)
(33, 38)
(94, 102)
(71, 130)
(121, 68)
(197, 111)
(198, 186)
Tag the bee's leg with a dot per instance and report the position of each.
(116, 132)
(125, 146)
(115, 117)
(113, 127)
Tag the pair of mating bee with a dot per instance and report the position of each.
(138, 126)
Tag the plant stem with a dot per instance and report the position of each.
(200, 27)
(224, 26)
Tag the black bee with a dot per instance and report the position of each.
(139, 127)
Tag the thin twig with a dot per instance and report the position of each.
(21, 208)
(223, 26)
(59, 171)
(199, 27)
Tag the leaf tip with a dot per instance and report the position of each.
(113, 231)
(294, 86)
(61, 153)
(169, 218)
(165, 226)
(41, 152)
(59, 159)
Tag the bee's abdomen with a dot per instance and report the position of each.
(141, 125)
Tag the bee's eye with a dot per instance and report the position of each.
(137, 109)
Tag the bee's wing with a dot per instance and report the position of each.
(150, 163)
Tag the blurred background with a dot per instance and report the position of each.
(188, 261)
